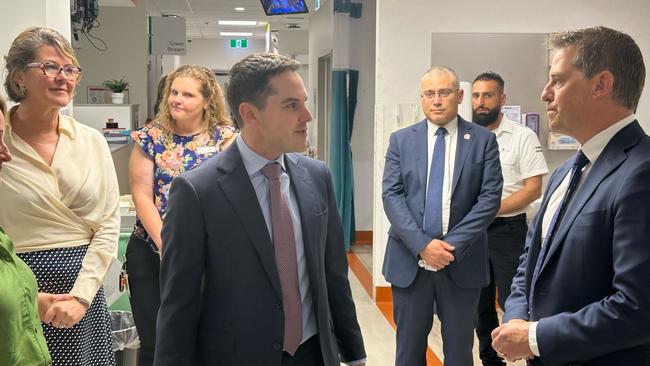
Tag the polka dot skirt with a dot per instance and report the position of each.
(89, 342)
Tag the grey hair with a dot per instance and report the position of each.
(446, 70)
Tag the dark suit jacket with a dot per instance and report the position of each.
(592, 296)
(221, 299)
(476, 196)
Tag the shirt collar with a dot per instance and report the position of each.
(66, 124)
(451, 126)
(595, 146)
(505, 126)
(254, 162)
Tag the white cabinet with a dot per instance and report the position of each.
(95, 115)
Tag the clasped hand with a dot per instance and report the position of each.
(510, 340)
(60, 310)
(437, 254)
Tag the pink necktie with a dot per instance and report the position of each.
(285, 258)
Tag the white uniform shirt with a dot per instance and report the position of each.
(521, 157)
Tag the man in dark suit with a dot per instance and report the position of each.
(581, 293)
(441, 189)
(254, 270)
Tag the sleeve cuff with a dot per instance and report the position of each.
(357, 362)
(532, 339)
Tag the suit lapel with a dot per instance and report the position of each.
(535, 245)
(306, 198)
(462, 149)
(239, 191)
(420, 142)
(613, 156)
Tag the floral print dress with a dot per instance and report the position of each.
(173, 157)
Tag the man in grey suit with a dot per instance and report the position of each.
(441, 189)
(254, 270)
(581, 293)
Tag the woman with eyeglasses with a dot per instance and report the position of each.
(191, 127)
(60, 197)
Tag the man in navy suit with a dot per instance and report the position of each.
(441, 189)
(254, 270)
(581, 294)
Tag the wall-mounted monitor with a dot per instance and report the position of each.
(281, 7)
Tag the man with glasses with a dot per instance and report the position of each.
(441, 189)
(522, 165)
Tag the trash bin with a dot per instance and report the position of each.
(125, 338)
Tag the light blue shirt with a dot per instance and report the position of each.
(254, 162)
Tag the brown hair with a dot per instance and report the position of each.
(249, 80)
(600, 48)
(213, 116)
(23, 51)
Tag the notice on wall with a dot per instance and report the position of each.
(167, 36)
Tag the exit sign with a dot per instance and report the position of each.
(238, 43)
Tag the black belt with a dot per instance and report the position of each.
(503, 220)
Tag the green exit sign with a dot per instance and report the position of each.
(238, 43)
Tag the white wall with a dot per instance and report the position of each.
(124, 29)
(404, 50)
(293, 42)
(320, 43)
(214, 54)
(362, 58)
(16, 16)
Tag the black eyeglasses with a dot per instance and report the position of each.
(52, 70)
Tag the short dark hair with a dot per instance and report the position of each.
(491, 76)
(249, 80)
(601, 48)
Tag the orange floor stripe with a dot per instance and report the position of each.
(386, 308)
(361, 272)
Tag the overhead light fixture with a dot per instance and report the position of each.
(236, 34)
(238, 22)
(240, 9)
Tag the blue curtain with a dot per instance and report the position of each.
(344, 103)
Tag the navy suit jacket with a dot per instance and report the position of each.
(592, 296)
(221, 302)
(475, 200)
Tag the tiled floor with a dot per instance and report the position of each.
(378, 335)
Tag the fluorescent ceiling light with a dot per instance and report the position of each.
(239, 8)
(238, 22)
(236, 34)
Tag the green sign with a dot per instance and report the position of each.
(239, 43)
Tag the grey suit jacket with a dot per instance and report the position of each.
(221, 299)
(475, 200)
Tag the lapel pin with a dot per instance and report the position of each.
(466, 136)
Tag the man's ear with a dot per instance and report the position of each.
(461, 93)
(249, 113)
(603, 84)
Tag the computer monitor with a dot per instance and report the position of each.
(280, 7)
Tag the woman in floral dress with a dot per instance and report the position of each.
(191, 127)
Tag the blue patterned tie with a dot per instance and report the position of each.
(433, 205)
(579, 162)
